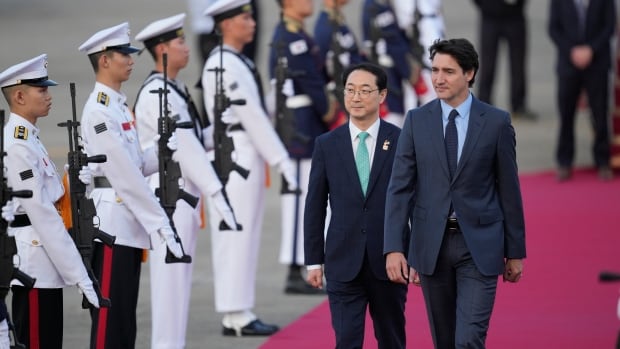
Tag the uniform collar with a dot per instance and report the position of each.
(333, 14)
(293, 25)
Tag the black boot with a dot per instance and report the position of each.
(296, 284)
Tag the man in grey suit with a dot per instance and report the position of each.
(351, 169)
(461, 194)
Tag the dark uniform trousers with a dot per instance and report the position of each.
(37, 316)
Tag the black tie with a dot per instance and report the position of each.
(452, 142)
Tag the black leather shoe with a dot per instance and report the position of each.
(254, 328)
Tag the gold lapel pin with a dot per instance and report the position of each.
(386, 144)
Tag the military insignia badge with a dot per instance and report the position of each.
(21, 132)
(298, 47)
(103, 98)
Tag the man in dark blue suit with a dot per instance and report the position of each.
(350, 170)
(581, 30)
(461, 194)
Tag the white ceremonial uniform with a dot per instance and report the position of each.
(235, 253)
(129, 210)
(171, 283)
(45, 248)
(431, 27)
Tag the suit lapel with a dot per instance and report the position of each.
(435, 126)
(347, 156)
(474, 128)
(384, 137)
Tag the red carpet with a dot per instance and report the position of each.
(573, 233)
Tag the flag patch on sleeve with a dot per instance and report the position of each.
(26, 174)
(101, 127)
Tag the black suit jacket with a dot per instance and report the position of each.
(600, 23)
(356, 224)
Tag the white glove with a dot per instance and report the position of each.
(223, 208)
(287, 169)
(172, 144)
(287, 88)
(8, 211)
(207, 137)
(85, 175)
(86, 288)
(167, 235)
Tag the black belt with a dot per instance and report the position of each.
(101, 182)
(452, 225)
(21, 220)
(236, 127)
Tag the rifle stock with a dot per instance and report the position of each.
(83, 230)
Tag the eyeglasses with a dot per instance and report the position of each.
(349, 92)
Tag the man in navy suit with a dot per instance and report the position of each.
(351, 253)
(581, 30)
(461, 194)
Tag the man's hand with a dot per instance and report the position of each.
(86, 288)
(397, 268)
(288, 171)
(8, 211)
(167, 235)
(581, 56)
(513, 270)
(315, 277)
(223, 208)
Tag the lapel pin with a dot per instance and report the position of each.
(386, 144)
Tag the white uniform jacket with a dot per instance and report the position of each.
(239, 83)
(129, 210)
(45, 249)
(198, 174)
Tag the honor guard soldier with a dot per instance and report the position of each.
(235, 253)
(387, 46)
(339, 49)
(313, 111)
(126, 205)
(171, 283)
(45, 249)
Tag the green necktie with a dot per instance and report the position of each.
(362, 161)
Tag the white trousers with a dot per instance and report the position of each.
(235, 253)
(292, 243)
(171, 284)
(5, 342)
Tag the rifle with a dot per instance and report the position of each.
(169, 190)
(83, 230)
(8, 248)
(337, 50)
(417, 49)
(224, 145)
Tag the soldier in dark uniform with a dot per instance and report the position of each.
(339, 49)
(387, 45)
(313, 111)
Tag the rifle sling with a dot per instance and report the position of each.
(101, 182)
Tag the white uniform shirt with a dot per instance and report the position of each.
(45, 249)
(130, 211)
(239, 83)
(198, 174)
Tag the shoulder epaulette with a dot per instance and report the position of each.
(103, 98)
(21, 132)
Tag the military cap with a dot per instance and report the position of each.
(31, 72)
(162, 30)
(223, 9)
(113, 38)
